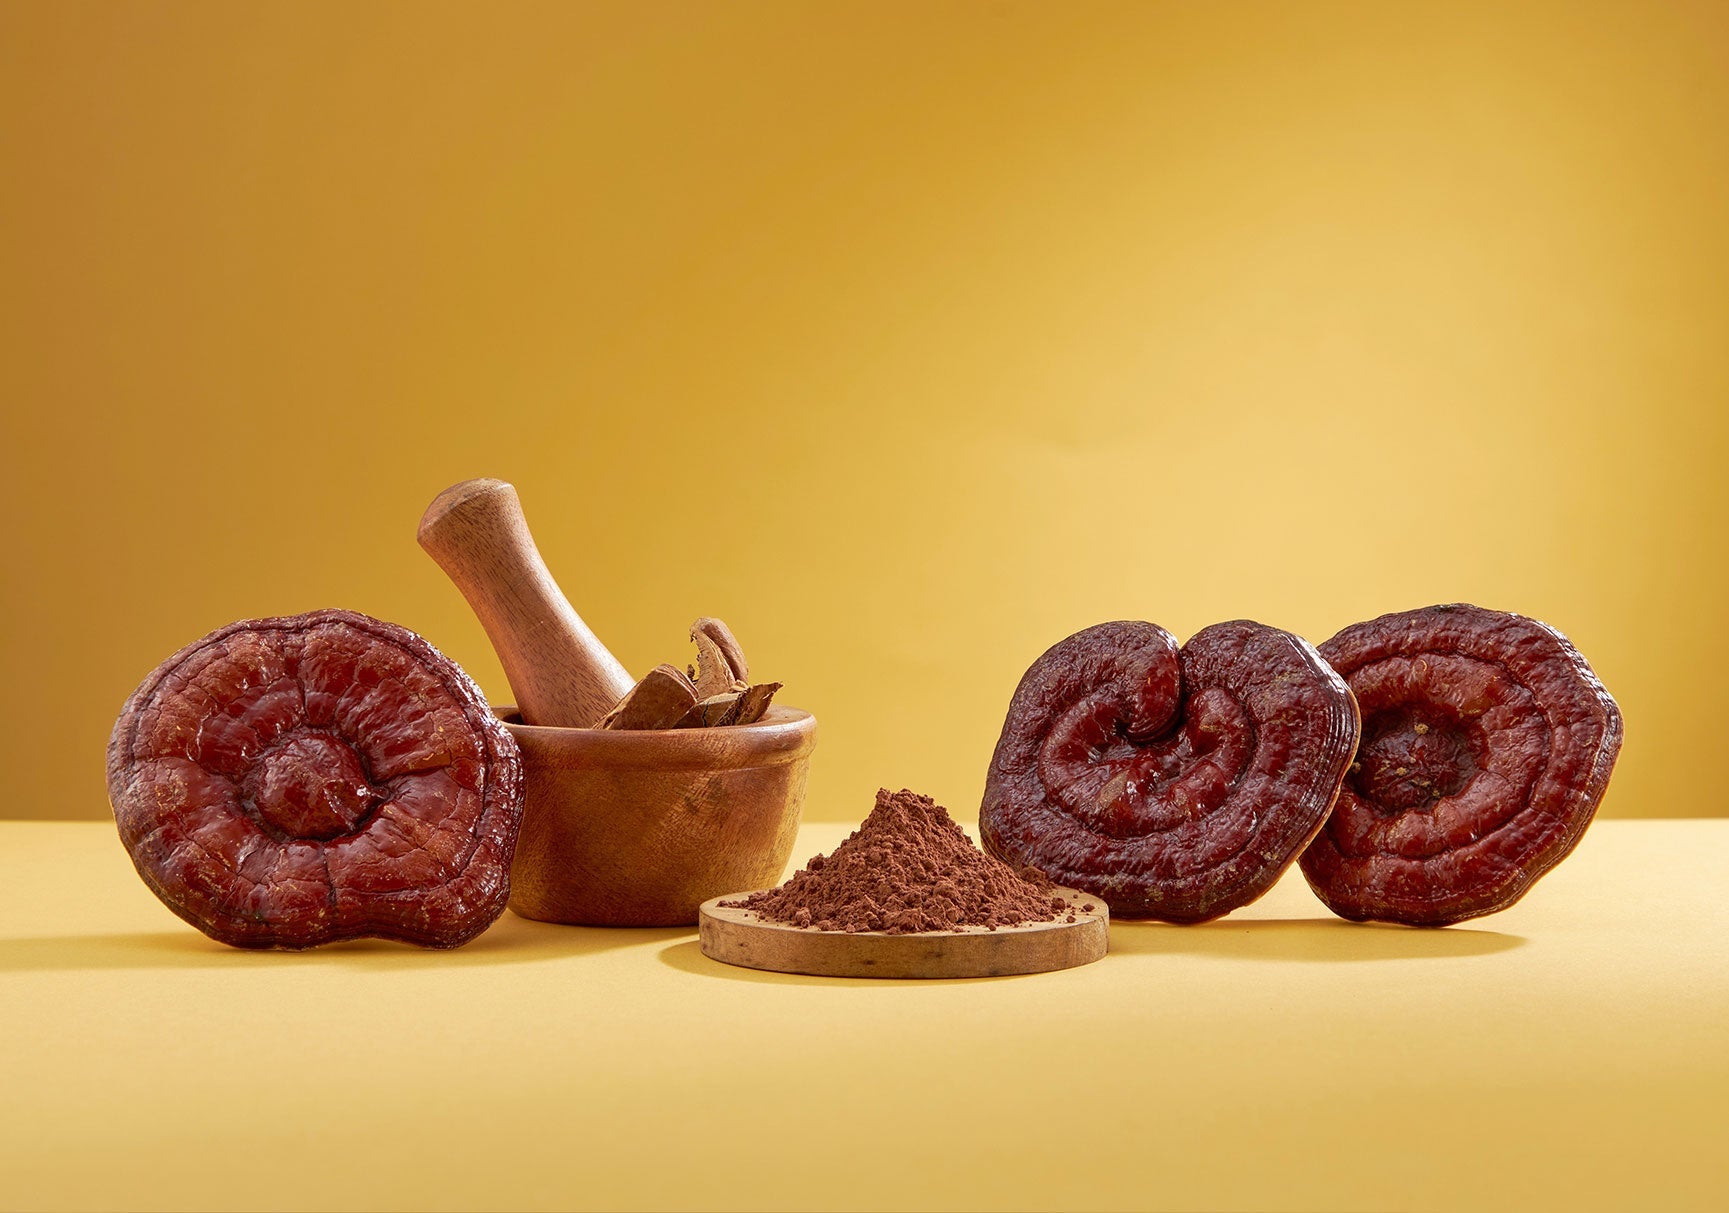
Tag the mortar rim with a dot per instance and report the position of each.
(783, 735)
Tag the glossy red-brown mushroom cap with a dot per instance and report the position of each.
(1487, 745)
(1174, 782)
(298, 781)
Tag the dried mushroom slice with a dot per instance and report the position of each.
(753, 702)
(297, 781)
(1487, 745)
(720, 666)
(711, 694)
(659, 701)
(1174, 783)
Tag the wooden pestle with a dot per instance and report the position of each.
(559, 671)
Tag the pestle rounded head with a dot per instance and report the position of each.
(467, 499)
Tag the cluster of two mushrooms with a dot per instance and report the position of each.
(1425, 767)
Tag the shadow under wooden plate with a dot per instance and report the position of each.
(687, 957)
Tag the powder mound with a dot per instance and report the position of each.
(908, 868)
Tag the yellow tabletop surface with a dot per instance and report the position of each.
(1571, 1052)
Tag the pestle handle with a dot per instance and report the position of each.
(559, 671)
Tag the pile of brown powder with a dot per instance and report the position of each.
(908, 868)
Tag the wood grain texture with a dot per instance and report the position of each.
(638, 828)
(742, 937)
(559, 671)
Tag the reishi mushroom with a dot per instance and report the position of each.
(1488, 742)
(1175, 782)
(289, 782)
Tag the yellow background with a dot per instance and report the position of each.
(907, 338)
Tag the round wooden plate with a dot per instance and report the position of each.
(741, 937)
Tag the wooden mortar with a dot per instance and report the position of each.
(637, 828)
(619, 828)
